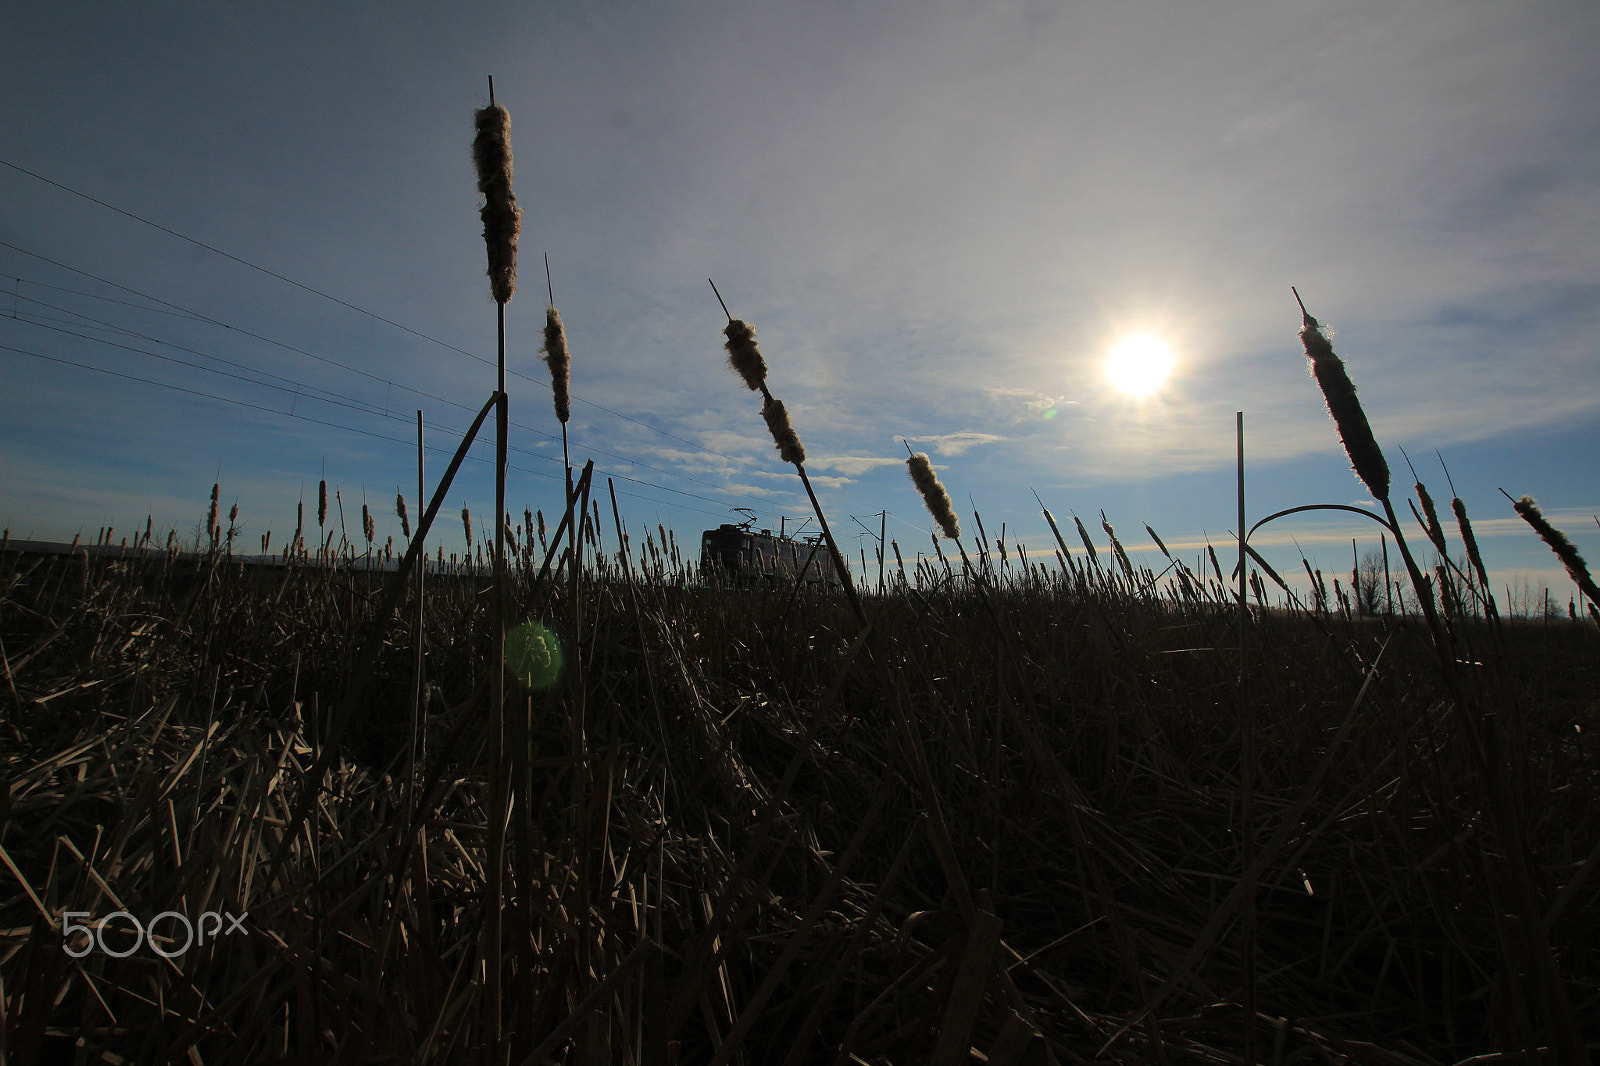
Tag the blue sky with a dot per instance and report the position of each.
(939, 217)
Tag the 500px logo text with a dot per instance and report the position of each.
(209, 927)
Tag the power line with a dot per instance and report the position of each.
(334, 299)
(329, 396)
(368, 432)
(365, 373)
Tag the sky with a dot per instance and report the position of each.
(240, 244)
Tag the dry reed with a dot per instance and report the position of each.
(934, 495)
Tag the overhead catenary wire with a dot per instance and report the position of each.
(367, 432)
(198, 316)
(303, 388)
(326, 296)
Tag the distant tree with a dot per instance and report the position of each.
(1366, 585)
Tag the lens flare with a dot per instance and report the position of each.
(533, 655)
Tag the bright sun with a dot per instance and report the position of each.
(1139, 364)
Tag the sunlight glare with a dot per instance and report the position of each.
(1139, 365)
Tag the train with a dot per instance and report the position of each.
(737, 554)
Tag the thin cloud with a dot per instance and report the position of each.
(1031, 400)
(854, 464)
(956, 443)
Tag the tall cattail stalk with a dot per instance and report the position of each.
(1474, 557)
(502, 222)
(1367, 459)
(746, 360)
(1362, 448)
(1576, 568)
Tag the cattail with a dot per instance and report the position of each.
(1083, 535)
(466, 524)
(212, 529)
(502, 219)
(1431, 523)
(1577, 569)
(1359, 443)
(1473, 556)
(559, 360)
(783, 434)
(1116, 546)
(1157, 539)
(934, 495)
(368, 526)
(322, 503)
(400, 509)
(743, 354)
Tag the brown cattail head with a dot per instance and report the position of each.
(466, 524)
(1430, 515)
(783, 434)
(369, 528)
(560, 362)
(743, 354)
(400, 509)
(1359, 443)
(1577, 569)
(322, 503)
(934, 495)
(502, 219)
(1473, 555)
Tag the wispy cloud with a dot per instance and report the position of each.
(853, 465)
(956, 443)
(1032, 401)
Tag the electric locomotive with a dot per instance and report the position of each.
(739, 555)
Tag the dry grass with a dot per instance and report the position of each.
(1005, 819)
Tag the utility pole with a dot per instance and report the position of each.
(883, 542)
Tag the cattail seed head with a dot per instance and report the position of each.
(502, 219)
(400, 509)
(1359, 443)
(934, 495)
(783, 434)
(1430, 514)
(322, 503)
(369, 528)
(743, 354)
(466, 524)
(1576, 568)
(1471, 541)
(560, 362)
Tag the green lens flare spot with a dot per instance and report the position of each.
(533, 655)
